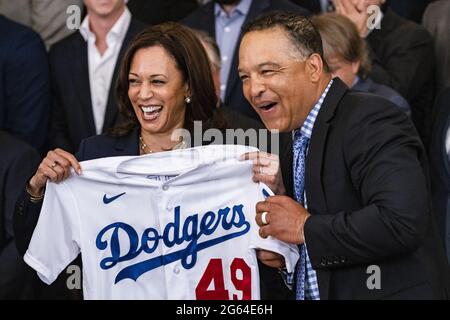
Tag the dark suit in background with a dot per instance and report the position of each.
(18, 161)
(158, 11)
(368, 85)
(409, 9)
(436, 20)
(403, 58)
(72, 116)
(440, 166)
(24, 83)
(367, 194)
(204, 19)
(312, 5)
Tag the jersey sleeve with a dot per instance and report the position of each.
(288, 251)
(55, 240)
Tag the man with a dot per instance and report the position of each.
(46, 17)
(402, 56)
(348, 58)
(357, 174)
(17, 163)
(24, 83)
(223, 19)
(84, 67)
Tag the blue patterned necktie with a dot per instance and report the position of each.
(299, 147)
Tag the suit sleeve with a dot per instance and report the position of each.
(23, 166)
(27, 89)
(58, 135)
(382, 151)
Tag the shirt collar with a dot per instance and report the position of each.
(118, 30)
(308, 124)
(243, 8)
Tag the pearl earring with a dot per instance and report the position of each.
(188, 100)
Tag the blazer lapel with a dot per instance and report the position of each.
(209, 19)
(314, 165)
(314, 160)
(129, 144)
(80, 54)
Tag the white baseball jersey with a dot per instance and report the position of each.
(171, 225)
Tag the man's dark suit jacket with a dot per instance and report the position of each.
(402, 56)
(18, 161)
(312, 5)
(367, 191)
(440, 166)
(24, 83)
(204, 19)
(368, 85)
(409, 9)
(72, 117)
(158, 11)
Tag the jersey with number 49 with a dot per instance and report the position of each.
(171, 225)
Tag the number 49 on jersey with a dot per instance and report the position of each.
(241, 278)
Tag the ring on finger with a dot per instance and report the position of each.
(53, 164)
(263, 217)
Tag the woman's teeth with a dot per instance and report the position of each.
(151, 112)
(151, 109)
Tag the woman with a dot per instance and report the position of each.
(164, 84)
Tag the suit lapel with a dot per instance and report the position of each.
(314, 166)
(314, 161)
(209, 19)
(80, 54)
(129, 144)
(255, 9)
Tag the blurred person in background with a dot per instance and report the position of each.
(24, 83)
(223, 20)
(46, 17)
(401, 54)
(347, 57)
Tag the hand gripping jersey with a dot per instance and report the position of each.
(171, 225)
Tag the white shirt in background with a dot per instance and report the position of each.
(101, 67)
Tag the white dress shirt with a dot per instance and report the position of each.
(101, 67)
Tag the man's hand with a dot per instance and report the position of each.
(271, 259)
(266, 169)
(284, 217)
(356, 11)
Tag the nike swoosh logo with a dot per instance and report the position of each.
(107, 200)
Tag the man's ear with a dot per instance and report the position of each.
(314, 67)
(355, 67)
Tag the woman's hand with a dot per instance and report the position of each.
(271, 259)
(55, 167)
(266, 169)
